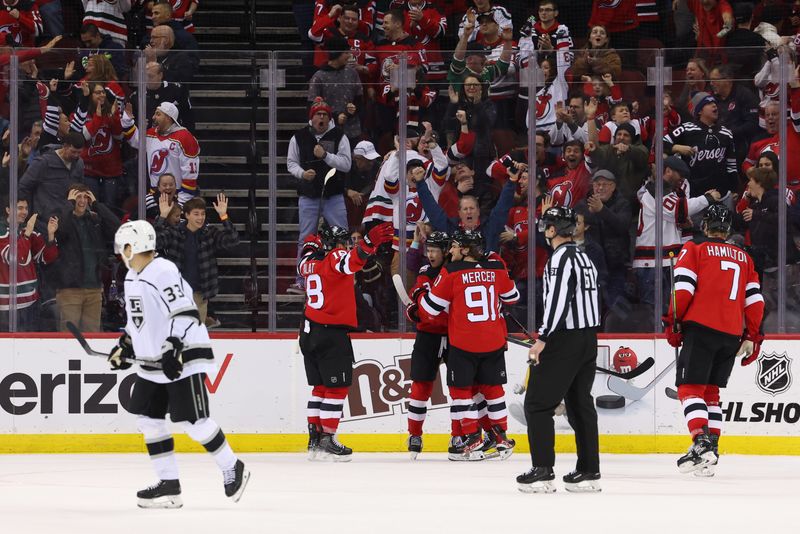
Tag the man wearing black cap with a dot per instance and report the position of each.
(626, 157)
(610, 220)
(677, 210)
(471, 59)
(706, 147)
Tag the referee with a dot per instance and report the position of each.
(563, 361)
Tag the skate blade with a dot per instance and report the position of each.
(456, 457)
(587, 486)
(413, 454)
(706, 472)
(312, 455)
(171, 501)
(474, 456)
(545, 486)
(245, 479)
(501, 454)
(328, 457)
(690, 467)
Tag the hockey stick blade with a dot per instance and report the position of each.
(631, 392)
(641, 369)
(671, 393)
(397, 280)
(91, 352)
(633, 373)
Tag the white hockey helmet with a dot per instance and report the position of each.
(140, 235)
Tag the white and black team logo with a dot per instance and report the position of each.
(774, 373)
(136, 311)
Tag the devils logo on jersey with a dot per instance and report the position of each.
(562, 194)
(159, 161)
(542, 106)
(10, 29)
(413, 210)
(102, 142)
(609, 4)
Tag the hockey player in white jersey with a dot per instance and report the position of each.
(164, 326)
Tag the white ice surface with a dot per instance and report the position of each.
(387, 493)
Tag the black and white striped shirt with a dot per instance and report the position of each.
(571, 295)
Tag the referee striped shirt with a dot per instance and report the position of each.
(571, 296)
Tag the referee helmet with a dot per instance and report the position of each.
(563, 219)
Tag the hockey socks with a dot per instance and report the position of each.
(160, 446)
(463, 410)
(418, 406)
(209, 435)
(330, 409)
(695, 410)
(497, 414)
(711, 396)
(312, 412)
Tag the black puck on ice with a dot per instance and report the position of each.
(610, 402)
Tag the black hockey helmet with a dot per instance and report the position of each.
(472, 239)
(718, 218)
(562, 218)
(334, 235)
(438, 239)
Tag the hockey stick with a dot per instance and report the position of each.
(633, 373)
(91, 352)
(631, 392)
(328, 176)
(397, 280)
(671, 393)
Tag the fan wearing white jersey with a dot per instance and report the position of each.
(164, 327)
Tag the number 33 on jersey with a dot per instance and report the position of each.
(471, 293)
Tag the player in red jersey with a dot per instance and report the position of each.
(470, 288)
(716, 292)
(430, 345)
(329, 270)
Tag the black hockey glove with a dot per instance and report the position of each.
(412, 312)
(123, 349)
(171, 358)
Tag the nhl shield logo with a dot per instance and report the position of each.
(136, 311)
(774, 373)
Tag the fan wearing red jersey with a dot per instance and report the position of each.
(470, 288)
(717, 291)
(430, 345)
(330, 313)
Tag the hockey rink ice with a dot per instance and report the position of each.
(388, 493)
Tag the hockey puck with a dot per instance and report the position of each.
(610, 402)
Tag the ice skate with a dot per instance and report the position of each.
(164, 494)
(414, 446)
(489, 447)
(455, 452)
(236, 481)
(700, 454)
(582, 482)
(505, 445)
(330, 449)
(472, 447)
(710, 469)
(313, 441)
(537, 480)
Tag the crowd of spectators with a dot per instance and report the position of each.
(78, 157)
(471, 63)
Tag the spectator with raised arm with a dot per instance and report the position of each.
(472, 59)
(33, 249)
(193, 245)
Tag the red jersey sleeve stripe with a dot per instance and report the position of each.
(510, 297)
(434, 305)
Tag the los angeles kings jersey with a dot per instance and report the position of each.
(159, 304)
(471, 292)
(716, 286)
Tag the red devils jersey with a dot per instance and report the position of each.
(22, 30)
(614, 15)
(432, 324)
(330, 286)
(101, 153)
(717, 286)
(471, 292)
(569, 186)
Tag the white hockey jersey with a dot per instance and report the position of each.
(176, 153)
(159, 304)
(672, 239)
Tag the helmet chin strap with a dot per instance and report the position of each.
(125, 259)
